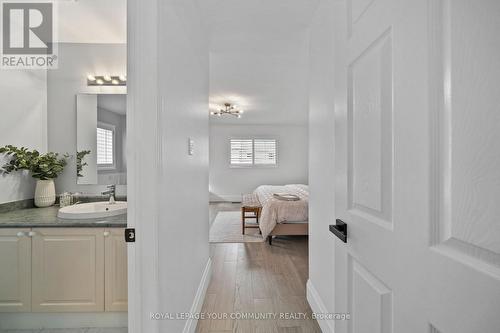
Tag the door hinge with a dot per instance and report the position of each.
(130, 235)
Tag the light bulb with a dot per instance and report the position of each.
(107, 77)
(212, 113)
(219, 114)
(99, 81)
(123, 78)
(115, 81)
(241, 111)
(239, 116)
(91, 77)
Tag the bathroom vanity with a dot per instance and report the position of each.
(51, 264)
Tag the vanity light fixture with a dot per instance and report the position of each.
(106, 80)
(228, 109)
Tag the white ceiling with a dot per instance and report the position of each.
(92, 21)
(116, 103)
(258, 50)
(259, 58)
(272, 89)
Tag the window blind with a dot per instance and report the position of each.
(249, 152)
(105, 147)
(264, 152)
(241, 152)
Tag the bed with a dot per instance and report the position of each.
(283, 218)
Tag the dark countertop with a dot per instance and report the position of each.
(47, 218)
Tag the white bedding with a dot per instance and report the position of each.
(278, 211)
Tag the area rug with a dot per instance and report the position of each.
(226, 228)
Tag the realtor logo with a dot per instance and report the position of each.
(28, 35)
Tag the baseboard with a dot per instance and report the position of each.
(36, 321)
(191, 323)
(318, 306)
(225, 198)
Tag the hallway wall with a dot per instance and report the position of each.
(321, 163)
(168, 199)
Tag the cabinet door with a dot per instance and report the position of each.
(15, 272)
(116, 288)
(68, 270)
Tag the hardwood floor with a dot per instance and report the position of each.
(258, 279)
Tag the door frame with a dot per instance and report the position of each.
(143, 111)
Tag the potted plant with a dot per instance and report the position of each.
(43, 167)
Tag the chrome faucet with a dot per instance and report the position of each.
(111, 191)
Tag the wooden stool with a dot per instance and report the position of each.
(249, 204)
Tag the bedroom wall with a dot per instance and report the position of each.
(23, 99)
(228, 183)
(320, 286)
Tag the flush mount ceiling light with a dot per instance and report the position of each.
(228, 109)
(106, 80)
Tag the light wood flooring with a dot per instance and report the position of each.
(255, 278)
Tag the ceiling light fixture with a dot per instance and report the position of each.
(228, 109)
(106, 80)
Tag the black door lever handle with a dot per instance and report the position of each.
(340, 230)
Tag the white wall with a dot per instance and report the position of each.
(321, 162)
(23, 100)
(168, 104)
(228, 183)
(76, 61)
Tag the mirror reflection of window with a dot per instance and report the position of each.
(101, 139)
(105, 146)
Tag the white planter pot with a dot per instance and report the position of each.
(45, 193)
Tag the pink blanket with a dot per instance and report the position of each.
(278, 211)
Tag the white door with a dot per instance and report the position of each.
(418, 166)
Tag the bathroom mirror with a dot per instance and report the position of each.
(101, 139)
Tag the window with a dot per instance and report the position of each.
(264, 152)
(241, 152)
(105, 146)
(253, 152)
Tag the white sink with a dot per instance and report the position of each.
(92, 210)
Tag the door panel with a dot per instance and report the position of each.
(417, 129)
(370, 132)
(15, 273)
(68, 270)
(370, 300)
(115, 270)
(467, 167)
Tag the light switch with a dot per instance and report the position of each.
(191, 146)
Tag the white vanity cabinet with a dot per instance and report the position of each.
(68, 270)
(15, 270)
(63, 270)
(115, 272)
